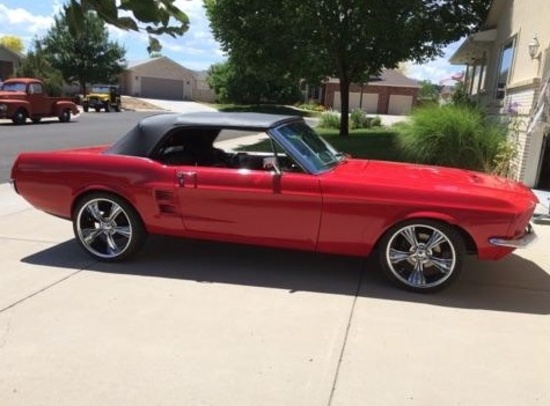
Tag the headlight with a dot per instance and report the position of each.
(3, 107)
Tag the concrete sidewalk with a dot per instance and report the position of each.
(197, 323)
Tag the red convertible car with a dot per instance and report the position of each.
(291, 190)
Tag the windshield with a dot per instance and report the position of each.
(100, 89)
(14, 87)
(313, 149)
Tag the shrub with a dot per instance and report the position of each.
(311, 107)
(376, 122)
(358, 119)
(456, 136)
(330, 119)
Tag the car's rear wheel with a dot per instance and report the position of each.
(422, 255)
(65, 116)
(107, 227)
(20, 117)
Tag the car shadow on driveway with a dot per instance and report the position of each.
(514, 284)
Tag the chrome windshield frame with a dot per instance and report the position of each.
(306, 161)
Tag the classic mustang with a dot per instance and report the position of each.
(292, 190)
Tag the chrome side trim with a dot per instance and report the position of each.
(527, 239)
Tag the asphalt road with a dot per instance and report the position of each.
(88, 129)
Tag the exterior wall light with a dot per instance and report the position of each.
(534, 48)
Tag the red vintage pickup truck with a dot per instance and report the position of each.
(23, 98)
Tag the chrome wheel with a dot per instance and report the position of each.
(422, 256)
(107, 227)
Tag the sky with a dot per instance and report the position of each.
(196, 49)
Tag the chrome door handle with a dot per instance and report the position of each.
(183, 177)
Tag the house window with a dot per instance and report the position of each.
(505, 66)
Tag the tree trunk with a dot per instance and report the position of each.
(344, 106)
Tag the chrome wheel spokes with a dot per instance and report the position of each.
(421, 256)
(104, 228)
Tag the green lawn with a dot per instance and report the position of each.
(378, 143)
(373, 143)
(266, 108)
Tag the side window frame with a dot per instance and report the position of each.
(500, 87)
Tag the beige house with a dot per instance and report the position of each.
(9, 62)
(162, 78)
(508, 70)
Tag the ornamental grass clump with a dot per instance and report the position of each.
(330, 119)
(455, 136)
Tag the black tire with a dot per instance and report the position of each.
(20, 117)
(36, 120)
(65, 116)
(107, 108)
(85, 108)
(103, 234)
(422, 255)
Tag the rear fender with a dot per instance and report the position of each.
(105, 189)
(63, 105)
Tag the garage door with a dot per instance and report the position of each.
(370, 102)
(156, 88)
(400, 105)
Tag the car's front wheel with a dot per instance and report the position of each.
(20, 117)
(422, 255)
(107, 227)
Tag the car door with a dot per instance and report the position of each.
(251, 206)
(40, 103)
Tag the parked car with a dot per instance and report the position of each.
(24, 98)
(106, 97)
(292, 190)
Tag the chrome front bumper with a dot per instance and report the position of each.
(524, 241)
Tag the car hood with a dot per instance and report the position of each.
(12, 95)
(441, 182)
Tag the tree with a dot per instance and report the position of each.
(234, 83)
(13, 43)
(429, 91)
(87, 58)
(159, 16)
(36, 65)
(348, 39)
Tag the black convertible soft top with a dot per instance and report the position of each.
(142, 139)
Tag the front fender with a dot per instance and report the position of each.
(431, 215)
(15, 104)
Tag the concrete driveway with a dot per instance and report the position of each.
(179, 106)
(197, 323)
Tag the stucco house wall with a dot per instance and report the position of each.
(164, 78)
(516, 22)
